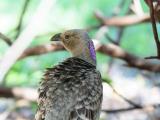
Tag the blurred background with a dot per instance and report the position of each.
(26, 26)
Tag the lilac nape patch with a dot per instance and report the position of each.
(92, 50)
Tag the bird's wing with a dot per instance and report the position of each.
(56, 94)
(47, 82)
(89, 99)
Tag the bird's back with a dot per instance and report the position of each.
(71, 90)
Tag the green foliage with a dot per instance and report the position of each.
(139, 41)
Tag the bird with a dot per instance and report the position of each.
(72, 90)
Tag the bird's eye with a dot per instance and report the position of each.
(66, 36)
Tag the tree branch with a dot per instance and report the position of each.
(122, 21)
(20, 93)
(108, 49)
(133, 61)
(41, 49)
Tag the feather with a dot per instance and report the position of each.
(75, 95)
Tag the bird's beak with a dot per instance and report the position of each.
(56, 37)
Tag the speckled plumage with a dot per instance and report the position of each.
(72, 90)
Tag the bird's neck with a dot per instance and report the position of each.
(87, 58)
(86, 53)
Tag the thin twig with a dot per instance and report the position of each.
(124, 98)
(133, 107)
(154, 27)
(130, 108)
(6, 39)
(19, 26)
(110, 39)
(120, 110)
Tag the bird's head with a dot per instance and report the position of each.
(77, 41)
